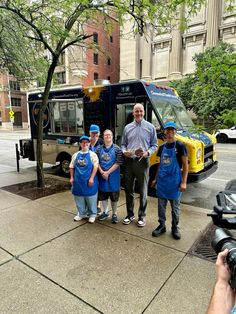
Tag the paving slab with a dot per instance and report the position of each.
(9, 178)
(4, 256)
(113, 271)
(25, 226)
(188, 291)
(24, 291)
(65, 201)
(8, 200)
(193, 220)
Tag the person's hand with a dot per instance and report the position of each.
(182, 187)
(128, 153)
(71, 181)
(222, 268)
(223, 275)
(141, 152)
(105, 175)
(90, 182)
(153, 183)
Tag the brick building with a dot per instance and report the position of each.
(79, 65)
(12, 98)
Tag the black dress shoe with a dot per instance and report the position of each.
(159, 230)
(175, 233)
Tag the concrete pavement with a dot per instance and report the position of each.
(51, 264)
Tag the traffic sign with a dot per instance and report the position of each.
(11, 114)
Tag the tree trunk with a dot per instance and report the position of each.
(39, 153)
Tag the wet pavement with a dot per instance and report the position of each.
(51, 264)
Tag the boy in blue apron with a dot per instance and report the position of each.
(110, 158)
(171, 179)
(84, 182)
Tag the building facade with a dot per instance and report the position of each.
(84, 65)
(168, 56)
(98, 59)
(13, 109)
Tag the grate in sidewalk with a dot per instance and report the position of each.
(202, 246)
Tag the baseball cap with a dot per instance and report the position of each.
(94, 128)
(84, 137)
(170, 124)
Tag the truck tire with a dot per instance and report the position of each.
(64, 164)
(222, 138)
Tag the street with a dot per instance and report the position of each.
(200, 194)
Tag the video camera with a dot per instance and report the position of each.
(223, 239)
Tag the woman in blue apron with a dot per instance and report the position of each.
(83, 169)
(170, 181)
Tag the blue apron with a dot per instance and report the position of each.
(82, 173)
(169, 175)
(107, 158)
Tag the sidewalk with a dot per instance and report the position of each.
(51, 264)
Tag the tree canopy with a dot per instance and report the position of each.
(29, 28)
(211, 90)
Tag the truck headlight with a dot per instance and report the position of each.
(198, 153)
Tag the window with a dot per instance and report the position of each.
(95, 38)
(14, 86)
(95, 58)
(108, 61)
(111, 39)
(67, 117)
(16, 102)
(95, 76)
(61, 77)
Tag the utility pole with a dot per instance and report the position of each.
(11, 113)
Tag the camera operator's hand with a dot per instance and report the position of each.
(222, 269)
(223, 298)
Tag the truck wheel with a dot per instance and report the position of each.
(64, 165)
(222, 138)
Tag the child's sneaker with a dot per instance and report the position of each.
(114, 219)
(128, 220)
(103, 216)
(78, 218)
(91, 219)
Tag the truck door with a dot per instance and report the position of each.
(123, 116)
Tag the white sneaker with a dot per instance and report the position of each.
(91, 219)
(78, 218)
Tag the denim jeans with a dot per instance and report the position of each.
(86, 205)
(175, 208)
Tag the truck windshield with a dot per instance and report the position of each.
(174, 110)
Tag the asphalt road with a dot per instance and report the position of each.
(202, 194)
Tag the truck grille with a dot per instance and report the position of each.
(208, 153)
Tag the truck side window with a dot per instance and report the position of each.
(67, 117)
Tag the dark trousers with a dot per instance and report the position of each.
(138, 170)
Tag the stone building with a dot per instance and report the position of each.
(168, 56)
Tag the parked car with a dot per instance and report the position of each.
(223, 135)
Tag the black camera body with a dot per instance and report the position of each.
(223, 239)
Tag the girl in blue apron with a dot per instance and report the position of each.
(84, 181)
(110, 158)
